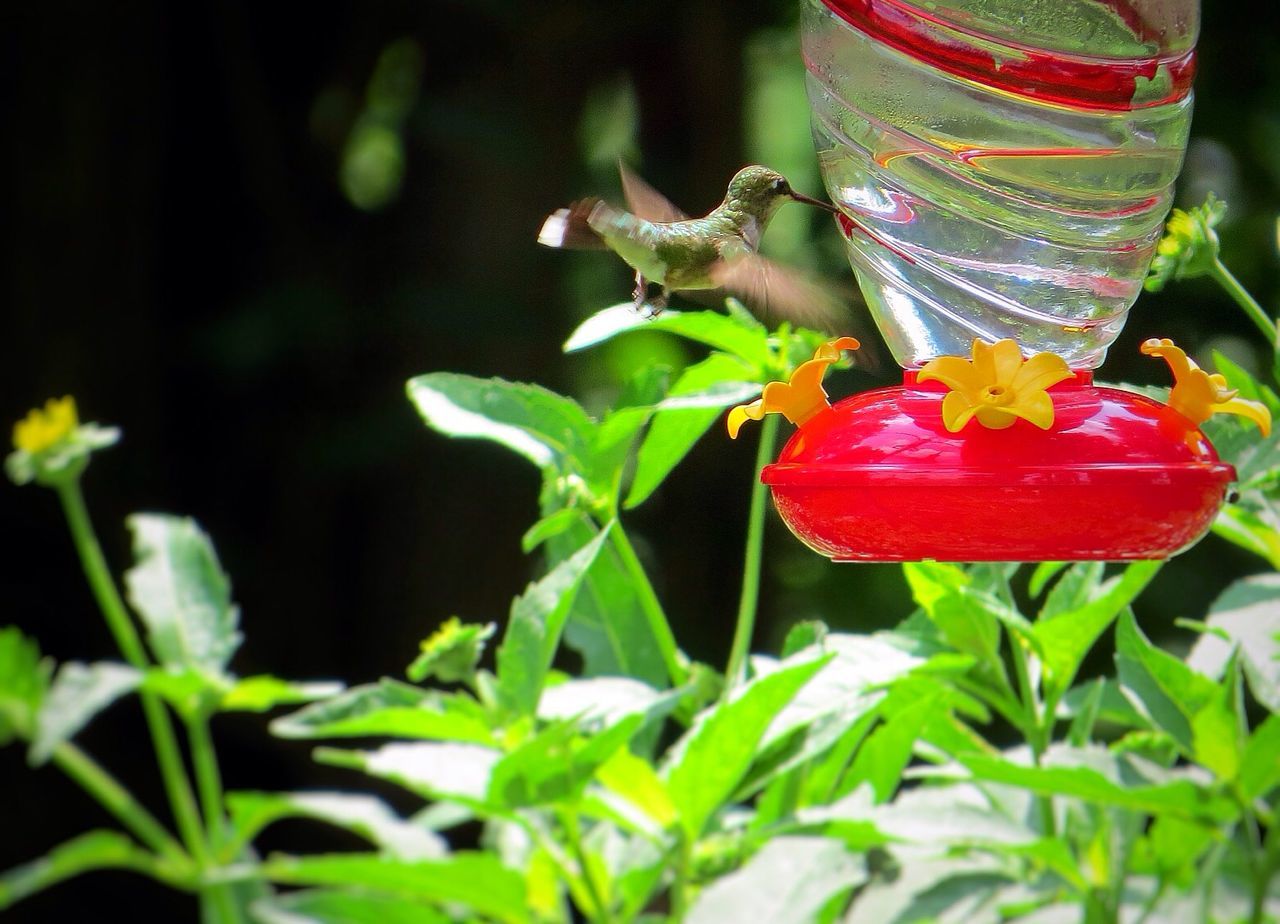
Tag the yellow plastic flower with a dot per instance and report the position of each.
(41, 429)
(799, 399)
(997, 386)
(1198, 395)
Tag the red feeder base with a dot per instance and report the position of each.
(1117, 477)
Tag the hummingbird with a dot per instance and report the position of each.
(718, 251)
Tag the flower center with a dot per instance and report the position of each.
(996, 395)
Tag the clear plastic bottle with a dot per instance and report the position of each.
(1004, 166)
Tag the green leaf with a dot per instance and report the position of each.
(533, 631)
(1077, 586)
(78, 693)
(1043, 574)
(788, 881)
(966, 618)
(1162, 687)
(263, 692)
(178, 588)
(93, 850)
(706, 766)
(1216, 729)
(675, 428)
(1248, 613)
(549, 527)
(607, 624)
(1096, 775)
(555, 765)
(332, 906)
(1078, 611)
(1176, 843)
(366, 816)
(599, 702)
(456, 772)
(1260, 767)
(24, 679)
(887, 751)
(1250, 530)
(710, 327)
(452, 652)
(546, 428)
(477, 881)
(635, 780)
(802, 635)
(389, 708)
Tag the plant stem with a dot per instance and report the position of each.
(1036, 721)
(1241, 296)
(1267, 865)
(749, 599)
(573, 834)
(680, 886)
(97, 782)
(649, 605)
(208, 780)
(176, 783)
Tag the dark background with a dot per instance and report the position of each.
(209, 247)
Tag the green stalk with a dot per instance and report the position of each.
(750, 597)
(208, 779)
(1036, 722)
(176, 784)
(573, 834)
(650, 606)
(97, 782)
(1224, 277)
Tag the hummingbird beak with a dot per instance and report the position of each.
(809, 200)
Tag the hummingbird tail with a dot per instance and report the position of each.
(570, 228)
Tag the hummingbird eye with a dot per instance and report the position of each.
(780, 185)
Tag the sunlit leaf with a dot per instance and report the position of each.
(366, 816)
(388, 708)
(263, 692)
(709, 762)
(24, 678)
(180, 591)
(544, 427)
(788, 881)
(78, 693)
(676, 427)
(477, 881)
(533, 631)
(94, 850)
(1248, 613)
(710, 327)
(333, 906)
(1162, 687)
(458, 772)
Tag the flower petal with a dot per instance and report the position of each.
(957, 410)
(1035, 407)
(740, 414)
(997, 418)
(1006, 357)
(1251, 410)
(953, 372)
(1039, 372)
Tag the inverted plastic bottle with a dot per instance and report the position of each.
(1004, 166)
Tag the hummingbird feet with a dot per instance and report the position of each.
(650, 308)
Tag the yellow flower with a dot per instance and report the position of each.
(997, 387)
(799, 399)
(41, 429)
(1198, 395)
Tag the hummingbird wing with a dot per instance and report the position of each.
(644, 201)
(780, 293)
(570, 228)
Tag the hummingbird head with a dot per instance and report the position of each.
(758, 192)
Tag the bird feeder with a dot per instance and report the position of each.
(997, 458)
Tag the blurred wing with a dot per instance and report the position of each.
(570, 228)
(644, 201)
(777, 293)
